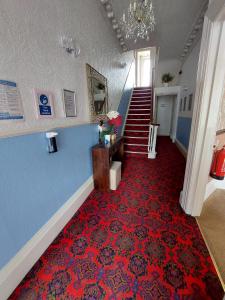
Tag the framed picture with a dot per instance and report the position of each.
(181, 104)
(44, 104)
(184, 105)
(190, 102)
(69, 100)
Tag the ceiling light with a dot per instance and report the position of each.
(115, 26)
(108, 7)
(139, 20)
(110, 14)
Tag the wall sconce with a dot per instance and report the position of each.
(52, 145)
(123, 65)
(69, 45)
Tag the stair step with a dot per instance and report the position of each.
(133, 114)
(142, 91)
(142, 96)
(138, 117)
(140, 104)
(139, 120)
(137, 124)
(139, 109)
(137, 134)
(140, 101)
(139, 145)
(135, 152)
(142, 88)
(137, 141)
(141, 115)
(144, 131)
(135, 137)
(136, 148)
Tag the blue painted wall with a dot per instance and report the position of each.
(124, 102)
(184, 130)
(122, 109)
(35, 184)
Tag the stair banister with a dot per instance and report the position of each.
(153, 129)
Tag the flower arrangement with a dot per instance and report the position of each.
(115, 118)
(114, 121)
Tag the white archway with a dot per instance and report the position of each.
(209, 90)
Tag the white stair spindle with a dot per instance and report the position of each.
(153, 128)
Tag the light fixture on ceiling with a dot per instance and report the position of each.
(139, 20)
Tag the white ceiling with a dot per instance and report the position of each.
(175, 20)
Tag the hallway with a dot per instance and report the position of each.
(135, 243)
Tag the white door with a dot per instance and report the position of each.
(164, 114)
(143, 64)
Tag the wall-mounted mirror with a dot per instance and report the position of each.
(98, 93)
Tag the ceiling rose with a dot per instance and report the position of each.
(139, 20)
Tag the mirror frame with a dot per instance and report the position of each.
(92, 73)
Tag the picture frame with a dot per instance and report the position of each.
(69, 102)
(184, 104)
(44, 104)
(181, 104)
(190, 102)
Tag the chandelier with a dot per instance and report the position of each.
(139, 21)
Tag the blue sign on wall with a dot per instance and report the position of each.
(44, 103)
(45, 109)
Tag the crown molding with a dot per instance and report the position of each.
(107, 5)
(195, 33)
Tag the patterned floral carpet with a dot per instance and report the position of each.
(135, 243)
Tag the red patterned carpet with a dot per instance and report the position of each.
(135, 243)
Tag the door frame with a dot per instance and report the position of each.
(152, 62)
(208, 95)
(169, 91)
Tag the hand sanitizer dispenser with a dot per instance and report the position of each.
(51, 137)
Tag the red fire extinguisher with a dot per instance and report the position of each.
(218, 164)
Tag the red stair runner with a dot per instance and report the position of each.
(137, 124)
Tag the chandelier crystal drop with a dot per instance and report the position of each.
(139, 21)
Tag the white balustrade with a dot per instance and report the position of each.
(153, 129)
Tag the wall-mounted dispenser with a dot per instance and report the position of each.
(52, 145)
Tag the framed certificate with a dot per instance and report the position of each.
(69, 100)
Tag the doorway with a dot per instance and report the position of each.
(143, 68)
(164, 114)
(208, 94)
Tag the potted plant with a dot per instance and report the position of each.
(101, 87)
(167, 78)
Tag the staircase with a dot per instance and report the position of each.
(136, 133)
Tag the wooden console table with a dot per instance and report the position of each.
(102, 157)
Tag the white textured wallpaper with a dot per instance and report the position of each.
(221, 118)
(188, 80)
(31, 55)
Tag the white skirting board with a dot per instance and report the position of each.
(213, 185)
(181, 147)
(12, 274)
